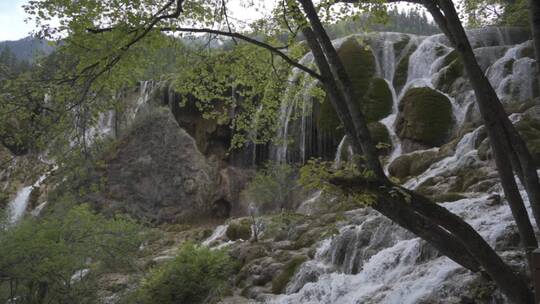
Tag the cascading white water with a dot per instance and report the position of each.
(400, 270)
(344, 270)
(17, 207)
(286, 110)
(218, 234)
(465, 155)
(511, 74)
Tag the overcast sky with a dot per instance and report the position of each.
(13, 25)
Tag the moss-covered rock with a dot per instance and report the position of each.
(402, 69)
(425, 116)
(239, 230)
(282, 279)
(529, 128)
(373, 96)
(413, 164)
(377, 103)
(400, 46)
(453, 69)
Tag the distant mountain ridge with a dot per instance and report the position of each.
(28, 48)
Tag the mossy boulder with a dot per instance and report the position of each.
(453, 69)
(377, 103)
(529, 128)
(425, 117)
(239, 230)
(373, 96)
(413, 164)
(282, 279)
(402, 69)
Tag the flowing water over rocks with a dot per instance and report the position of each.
(370, 259)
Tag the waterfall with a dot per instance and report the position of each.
(286, 110)
(218, 234)
(146, 88)
(389, 123)
(17, 207)
(399, 269)
(511, 74)
(465, 155)
(372, 260)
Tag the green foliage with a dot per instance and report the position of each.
(270, 188)
(318, 175)
(239, 230)
(496, 12)
(41, 256)
(196, 275)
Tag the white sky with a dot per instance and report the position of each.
(14, 27)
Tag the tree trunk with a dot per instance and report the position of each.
(490, 106)
(344, 83)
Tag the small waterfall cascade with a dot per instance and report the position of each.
(293, 101)
(218, 234)
(297, 126)
(106, 122)
(146, 88)
(511, 74)
(425, 62)
(465, 155)
(17, 207)
(377, 262)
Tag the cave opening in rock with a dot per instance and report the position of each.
(221, 208)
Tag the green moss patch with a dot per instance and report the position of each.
(425, 117)
(453, 69)
(282, 279)
(402, 69)
(413, 164)
(530, 131)
(373, 96)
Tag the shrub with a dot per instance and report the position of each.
(42, 256)
(270, 188)
(196, 275)
(239, 230)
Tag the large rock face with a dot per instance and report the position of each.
(159, 174)
(425, 119)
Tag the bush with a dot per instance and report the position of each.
(271, 187)
(196, 275)
(42, 256)
(239, 230)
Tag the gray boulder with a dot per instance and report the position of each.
(158, 174)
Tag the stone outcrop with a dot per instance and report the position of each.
(425, 119)
(158, 174)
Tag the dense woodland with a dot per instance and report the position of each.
(168, 152)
